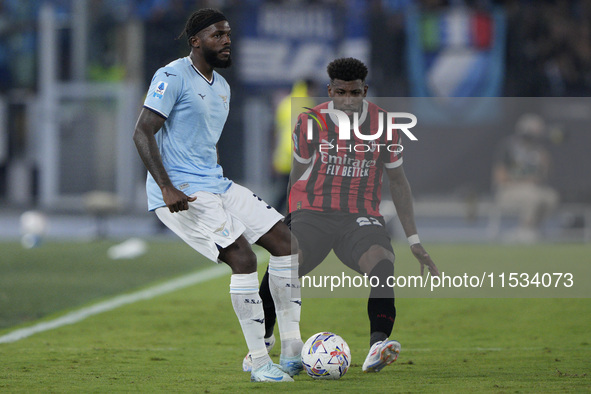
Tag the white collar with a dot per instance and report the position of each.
(199, 72)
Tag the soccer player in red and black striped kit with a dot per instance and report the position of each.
(334, 198)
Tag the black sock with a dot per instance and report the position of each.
(268, 305)
(380, 306)
(377, 337)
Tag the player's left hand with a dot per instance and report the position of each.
(424, 259)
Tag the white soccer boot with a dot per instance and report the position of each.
(270, 373)
(381, 354)
(291, 365)
(247, 362)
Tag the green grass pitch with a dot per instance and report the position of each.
(190, 340)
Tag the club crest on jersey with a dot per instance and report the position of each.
(160, 89)
(225, 100)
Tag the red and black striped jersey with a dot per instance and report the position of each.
(343, 175)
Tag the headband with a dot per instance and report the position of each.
(214, 18)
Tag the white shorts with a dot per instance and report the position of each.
(217, 220)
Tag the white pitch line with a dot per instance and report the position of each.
(118, 301)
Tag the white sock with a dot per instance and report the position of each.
(286, 292)
(244, 292)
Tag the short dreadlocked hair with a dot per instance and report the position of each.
(347, 69)
(199, 20)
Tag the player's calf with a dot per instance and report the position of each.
(285, 290)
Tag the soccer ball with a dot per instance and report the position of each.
(326, 356)
(33, 228)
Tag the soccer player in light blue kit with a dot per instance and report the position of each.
(176, 136)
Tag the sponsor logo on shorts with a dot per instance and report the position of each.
(223, 230)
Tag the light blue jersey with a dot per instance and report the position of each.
(195, 110)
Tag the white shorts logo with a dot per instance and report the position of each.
(223, 230)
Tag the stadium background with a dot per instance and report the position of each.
(74, 72)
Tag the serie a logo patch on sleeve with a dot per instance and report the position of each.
(160, 89)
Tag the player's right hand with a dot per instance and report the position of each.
(424, 259)
(176, 200)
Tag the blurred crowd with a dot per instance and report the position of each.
(548, 47)
(548, 41)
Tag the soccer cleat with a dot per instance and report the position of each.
(247, 362)
(291, 365)
(270, 373)
(381, 354)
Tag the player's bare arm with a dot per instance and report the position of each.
(402, 198)
(147, 125)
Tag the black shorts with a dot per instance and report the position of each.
(348, 234)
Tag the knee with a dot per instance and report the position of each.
(244, 263)
(373, 256)
(279, 241)
(286, 242)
